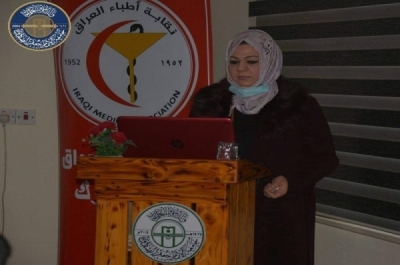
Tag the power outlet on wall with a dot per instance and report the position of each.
(11, 114)
(25, 116)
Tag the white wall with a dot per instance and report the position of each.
(27, 81)
(228, 18)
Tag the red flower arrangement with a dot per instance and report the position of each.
(107, 141)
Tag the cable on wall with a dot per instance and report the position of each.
(4, 119)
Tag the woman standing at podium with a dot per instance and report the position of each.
(280, 126)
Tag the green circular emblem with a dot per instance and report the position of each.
(169, 233)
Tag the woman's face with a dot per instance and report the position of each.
(244, 66)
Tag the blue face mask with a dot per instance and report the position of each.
(248, 91)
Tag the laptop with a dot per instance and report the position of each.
(175, 137)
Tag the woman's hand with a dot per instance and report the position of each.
(277, 188)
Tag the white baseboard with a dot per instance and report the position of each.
(332, 221)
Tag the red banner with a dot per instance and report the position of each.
(139, 58)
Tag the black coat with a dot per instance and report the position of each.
(291, 137)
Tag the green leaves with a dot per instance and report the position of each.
(107, 141)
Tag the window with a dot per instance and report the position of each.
(347, 53)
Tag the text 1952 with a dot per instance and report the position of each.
(72, 61)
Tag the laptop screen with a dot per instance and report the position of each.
(175, 137)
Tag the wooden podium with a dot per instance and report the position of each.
(222, 193)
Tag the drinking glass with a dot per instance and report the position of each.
(227, 151)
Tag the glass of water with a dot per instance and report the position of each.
(227, 151)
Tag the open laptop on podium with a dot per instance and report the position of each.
(175, 137)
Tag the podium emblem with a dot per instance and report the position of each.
(169, 233)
